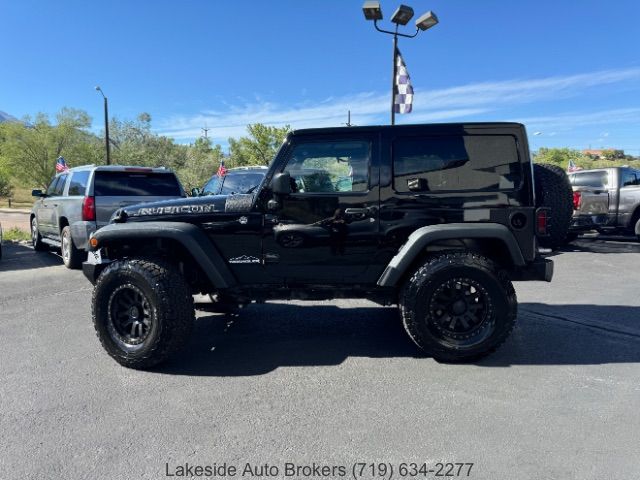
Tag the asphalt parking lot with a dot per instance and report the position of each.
(327, 382)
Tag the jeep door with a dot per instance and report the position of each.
(326, 229)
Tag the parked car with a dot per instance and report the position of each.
(236, 180)
(79, 201)
(606, 200)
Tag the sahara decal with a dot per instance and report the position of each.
(175, 210)
(244, 259)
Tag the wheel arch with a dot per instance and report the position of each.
(425, 240)
(190, 243)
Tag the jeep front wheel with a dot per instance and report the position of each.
(142, 311)
(458, 306)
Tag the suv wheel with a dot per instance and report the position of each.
(458, 306)
(142, 311)
(36, 239)
(71, 256)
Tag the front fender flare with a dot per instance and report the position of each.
(418, 241)
(192, 238)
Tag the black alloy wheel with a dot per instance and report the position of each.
(459, 310)
(130, 316)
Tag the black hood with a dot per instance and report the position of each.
(183, 209)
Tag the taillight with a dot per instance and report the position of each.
(89, 209)
(577, 200)
(542, 222)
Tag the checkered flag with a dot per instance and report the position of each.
(402, 89)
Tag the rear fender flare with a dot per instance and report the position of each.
(422, 237)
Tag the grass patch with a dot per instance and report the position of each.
(15, 235)
(21, 199)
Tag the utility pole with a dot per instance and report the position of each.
(205, 130)
(106, 125)
(349, 124)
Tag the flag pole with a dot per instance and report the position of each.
(393, 76)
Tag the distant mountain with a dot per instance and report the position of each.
(5, 117)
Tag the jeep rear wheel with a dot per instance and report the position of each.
(142, 311)
(458, 306)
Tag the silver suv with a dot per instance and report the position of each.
(79, 201)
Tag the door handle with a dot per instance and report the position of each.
(356, 211)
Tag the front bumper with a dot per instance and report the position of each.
(540, 269)
(94, 266)
(80, 233)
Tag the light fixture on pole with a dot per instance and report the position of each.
(106, 125)
(401, 16)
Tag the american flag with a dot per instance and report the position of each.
(402, 89)
(573, 167)
(222, 170)
(61, 165)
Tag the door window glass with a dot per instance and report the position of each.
(52, 186)
(78, 184)
(213, 186)
(59, 188)
(456, 163)
(629, 178)
(329, 167)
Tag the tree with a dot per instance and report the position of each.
(30, 149)
(6, 189)
(202, 162)
(135, 144)
(260, 147)
(561, 157)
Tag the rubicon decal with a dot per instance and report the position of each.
(175, 210)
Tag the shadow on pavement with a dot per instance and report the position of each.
(265, 337)
(16, 256)
(603, 244)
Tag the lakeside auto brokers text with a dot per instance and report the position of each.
(356, 470)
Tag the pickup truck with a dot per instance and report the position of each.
(606, 200)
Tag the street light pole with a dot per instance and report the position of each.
(401, 16)
(106, 125)
(393, 76)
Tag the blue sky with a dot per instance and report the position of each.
(569, 70)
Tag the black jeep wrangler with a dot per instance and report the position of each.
(437, 219)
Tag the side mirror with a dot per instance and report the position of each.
(195, 192)
(281, 183)
(37, 193)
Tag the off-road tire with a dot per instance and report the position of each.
(554, 192)
(170, 304)
(36, 238)
(420, 293)
(72, 257)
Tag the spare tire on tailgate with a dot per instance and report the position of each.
(554, 192)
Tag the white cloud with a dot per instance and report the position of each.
(436, 105)
(571, 120)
